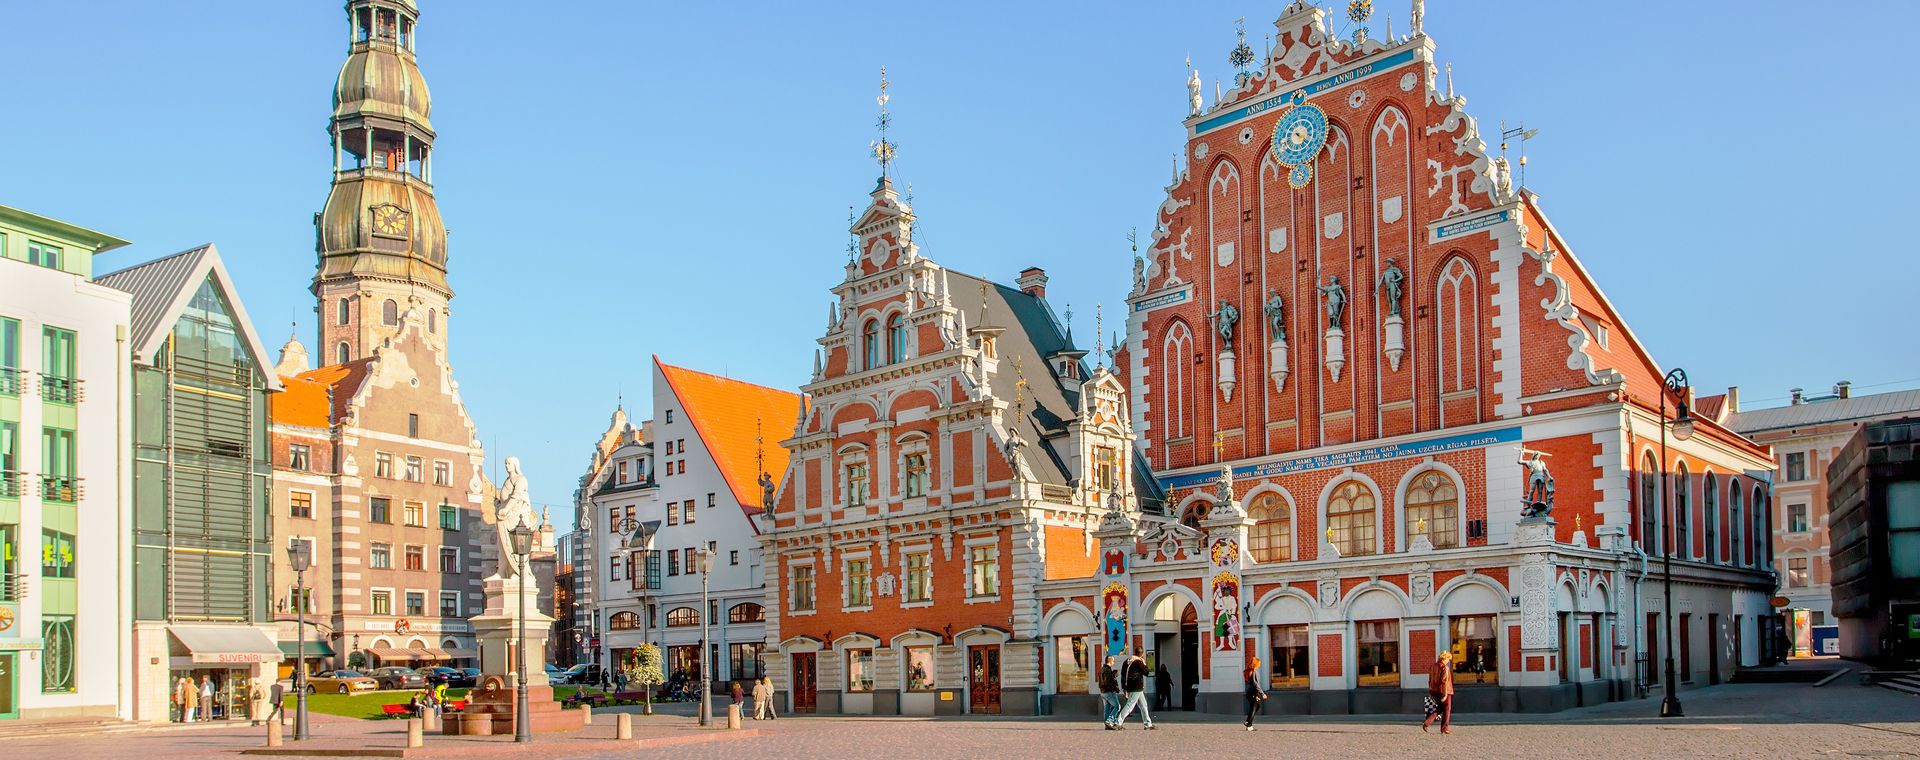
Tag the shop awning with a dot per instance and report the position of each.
(229, 645)
(462, 654)
(404, 653)
(313, 649)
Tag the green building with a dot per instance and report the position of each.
(202, 539)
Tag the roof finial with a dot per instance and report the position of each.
(853, 238)
(883, 149)
(1449, 80)
(1099, 339)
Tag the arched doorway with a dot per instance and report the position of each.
(1176, 652)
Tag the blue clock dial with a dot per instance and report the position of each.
(1301, 133)
(1300, 175)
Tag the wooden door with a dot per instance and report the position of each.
(983, 679)
(806, 685)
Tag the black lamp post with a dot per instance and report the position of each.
(640, 540)
(1677, 386)
(522, 537)
(706, 667)
(299, 555)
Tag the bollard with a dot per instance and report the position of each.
(430, 720)
(733, 716)
(623, 726)
(586, 715)
(416, 733)
(274, 737)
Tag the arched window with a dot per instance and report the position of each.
(1650, 506)
(1736, 528)
(680, 617)
(1350, 519)
(1177, 370)
(342, 311)
(1194, 513)
(1762, 539)
(747, 612)
(896, 339)
(623, 621)
(1271, 539)
(433, 320)
(1682, 535)
(1433, 509)
(871, 338)
(341, 354)
(390, 313)
(1457, 330)
(1709, 505)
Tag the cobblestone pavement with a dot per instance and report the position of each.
(1760, 720)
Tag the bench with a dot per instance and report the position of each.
(456, 705)
(630, 696)
(396, 711)
(586, 698)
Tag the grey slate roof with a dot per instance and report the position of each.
(161, 288)
(1827, 410)
(1031, 333)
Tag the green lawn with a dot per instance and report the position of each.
(367, 704)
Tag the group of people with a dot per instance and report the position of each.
(431, 698)
(1123, 686)
(194, 702)
(762, 698)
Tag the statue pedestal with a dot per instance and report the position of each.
(1396, 344)
(1533, 531)
(1227, 375)
(1336, 356)
(1277, 363)
(498, 632)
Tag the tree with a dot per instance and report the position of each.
(642, 665)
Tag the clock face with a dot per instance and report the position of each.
(1301, 133)
(390, 220)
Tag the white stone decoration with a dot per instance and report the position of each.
(1422, 585)
(1246, 136)
(885, 584)
(1200, 152)
(1225, 362)
(1390, 210)
(1357, 98)
(1333, 224)
(1223, 254)
(1536, 602)
(1277, 240)
(1420, 544)
(1277, 362)
(1329, 593)
(1407, 81)
(1336, 359)
(1396, 343)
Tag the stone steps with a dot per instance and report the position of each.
(1907, 684)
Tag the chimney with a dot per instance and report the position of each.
(1843, 389)
(1733, 399)
(1797, 399)
(1033, 282)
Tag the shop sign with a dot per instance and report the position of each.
(9, 615)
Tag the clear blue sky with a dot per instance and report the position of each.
(623, 179)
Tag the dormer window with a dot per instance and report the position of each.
(896, 339)
(870, 337)
(915, 480)
(1106, 469)
(986, 347)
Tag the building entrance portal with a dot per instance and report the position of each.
(1176, 632)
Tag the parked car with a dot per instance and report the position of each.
(340, 682)
(452, 677)
(584, 673)
(556, 675)
(398, 678)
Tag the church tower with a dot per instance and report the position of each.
(382, 246)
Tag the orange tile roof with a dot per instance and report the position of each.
(728, 414)
(317, 397)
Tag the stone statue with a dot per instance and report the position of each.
(1390, 281)
(766, 494)
(1419, 15)
(1223, 486)
(1336, 300)
(1502, 180)
(1193, 91)
(1538, 497)
(1277, 315)
(1139, 275)
(511, 508)
(1223, 321)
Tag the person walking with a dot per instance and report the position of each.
(206, 697)
(1133, 678)
(773, 711)
(1162, 688)
(619, 681)
(1254, 694)
(761, 693)
(1440, 694)
(739, 694)
(1110, 692)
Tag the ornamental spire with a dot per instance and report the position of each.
(883, 148)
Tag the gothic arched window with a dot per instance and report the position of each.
(1650, 541)
(390, 313)
(1433, 509)
(896, 339)
(1736, 527)
(1457, 332)
(1352, 511)
(1682, 519)
(1271, 539)
(1178, 374)
(1709, 499)
(870, 337)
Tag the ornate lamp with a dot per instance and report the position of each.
(522, 538)
(299, 557)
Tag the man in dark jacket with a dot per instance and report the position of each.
(1133, 679)
(1162, 688)
(1110, 692)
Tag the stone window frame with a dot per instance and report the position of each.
(1284, 503)
(794, 565)
(922, 550)
(375, 550)
(1403, 503)
(914, 443)
(992, 544)
(1325, 508)
(373, 600)
(846, 459)
(847, 558)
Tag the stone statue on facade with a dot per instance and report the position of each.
(1223, 321)
(1276, 310)
(1193, 91)
(1139, 275)
(511, 508)
(1336, 300)
(1223, 486)
(766, 494)
(1419, 15)
(1538, 496)
(1390, 283)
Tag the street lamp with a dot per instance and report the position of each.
(706, 666)
(299, 555)
(522, 537)
(1682, 424)
(640, 539)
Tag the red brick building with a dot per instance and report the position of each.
(1349, 304)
